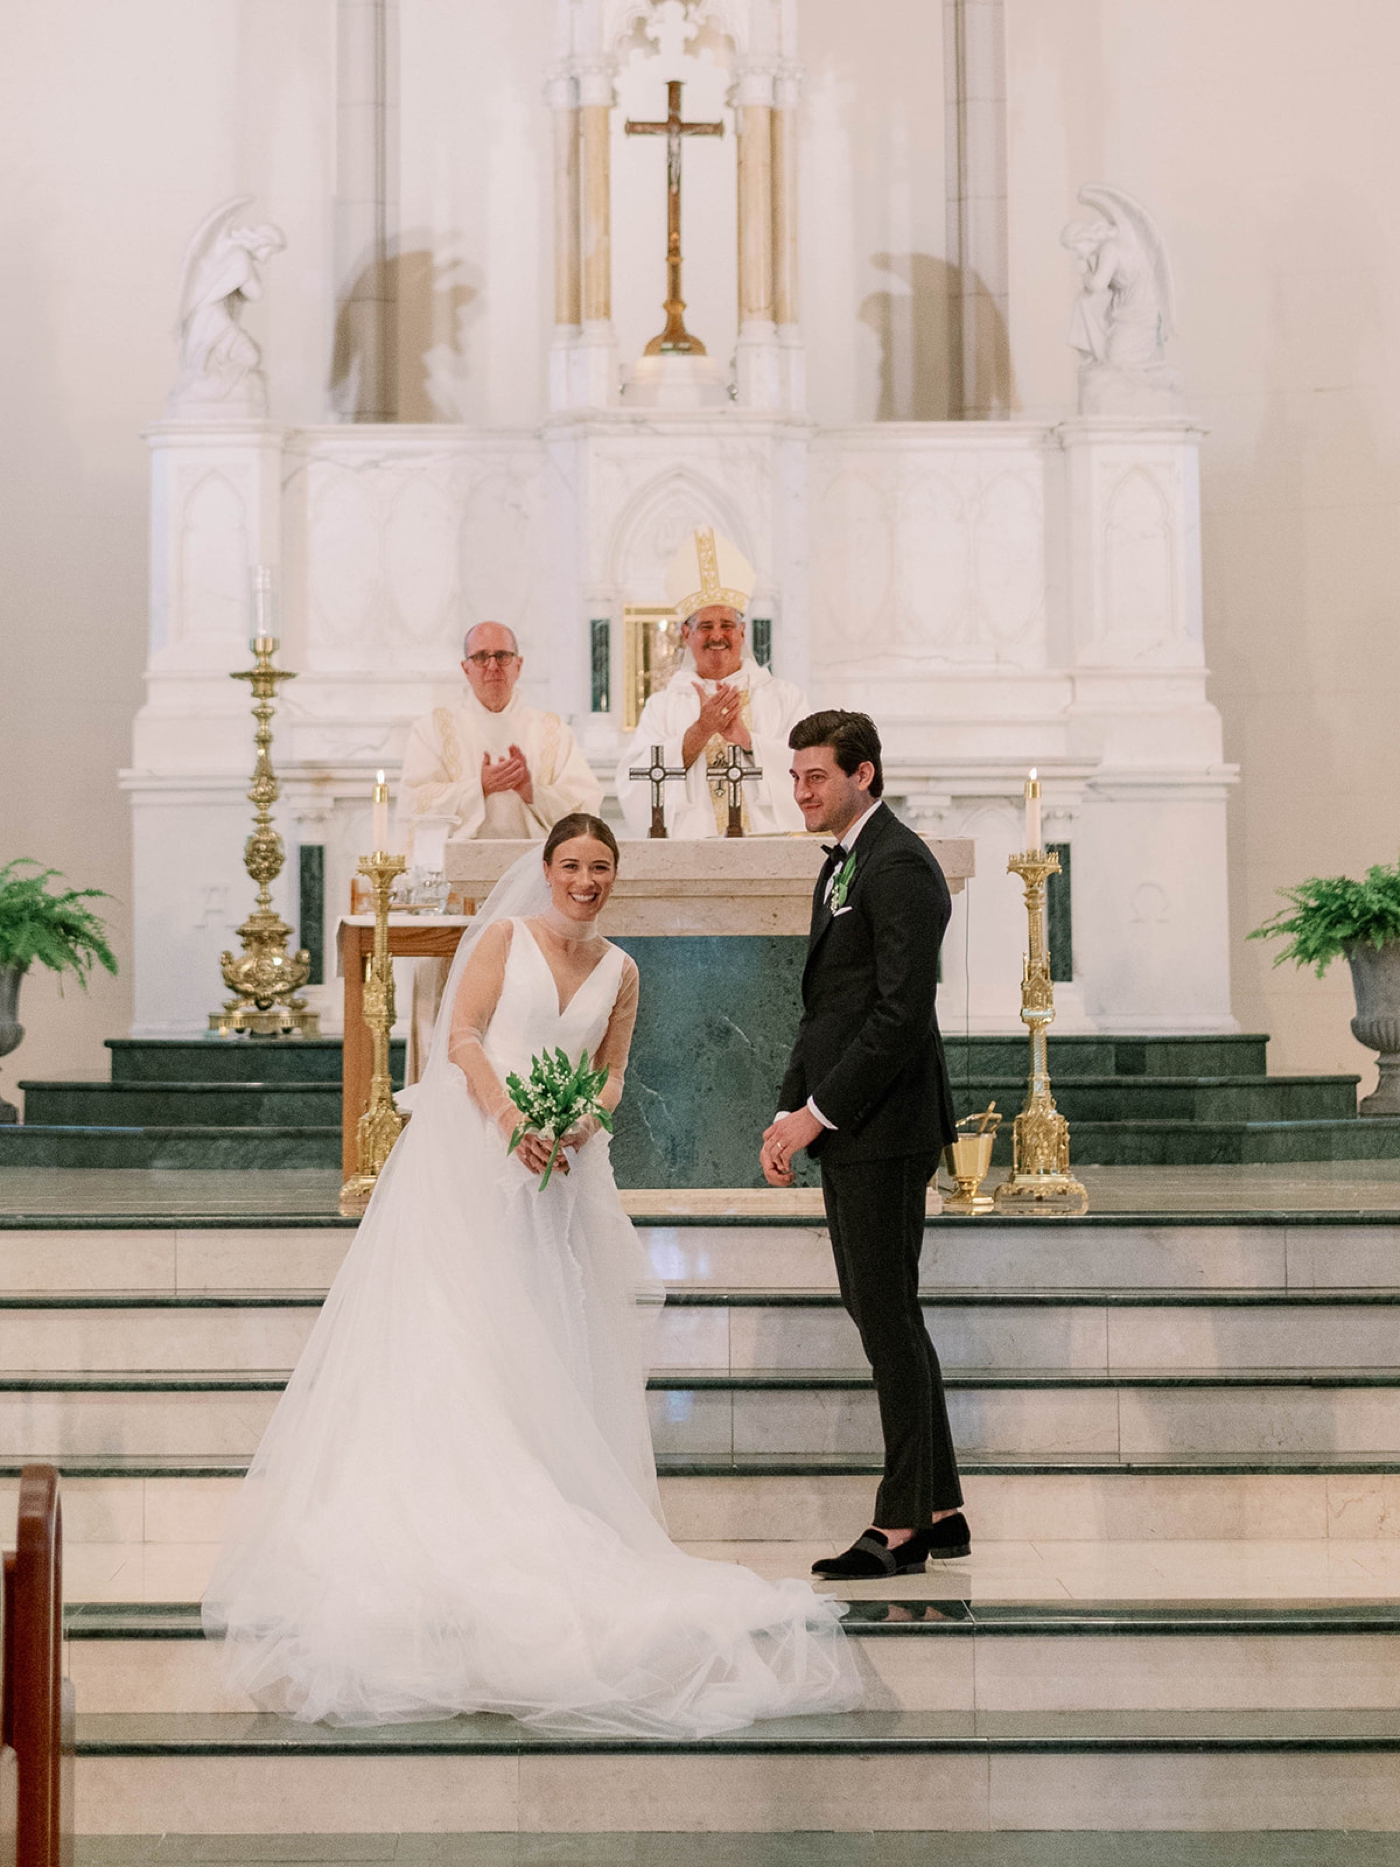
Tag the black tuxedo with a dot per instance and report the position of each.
(869, 1056)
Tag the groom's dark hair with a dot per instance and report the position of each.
(851, 736)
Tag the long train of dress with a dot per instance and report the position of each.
(454, 1508)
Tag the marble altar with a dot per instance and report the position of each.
(719, 933)
(998, 594)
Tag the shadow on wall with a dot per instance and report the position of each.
(400, 340)
(921, 371)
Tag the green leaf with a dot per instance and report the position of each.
(50, 926)
(1328, 914)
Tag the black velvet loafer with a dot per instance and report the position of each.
(947, 1538)
(870, 1559)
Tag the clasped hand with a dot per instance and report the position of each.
(720, 712)
(533, 1149)
(783, 1139)
(512, 773)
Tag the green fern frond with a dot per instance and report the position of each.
(50, 926)
(1328, 914)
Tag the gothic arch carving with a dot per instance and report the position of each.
(650, 527)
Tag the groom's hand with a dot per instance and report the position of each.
(783, 1139)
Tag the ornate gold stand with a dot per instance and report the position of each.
(1040, 1181)
(381, 1124)
(264, 977)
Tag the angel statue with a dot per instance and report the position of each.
(1125, 311)
(219, 372)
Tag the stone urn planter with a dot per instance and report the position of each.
(1375, 976)
(11, 1030)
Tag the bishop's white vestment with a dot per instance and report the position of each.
(442, 771)
(698, 806)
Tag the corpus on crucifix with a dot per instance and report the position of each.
(675, 340)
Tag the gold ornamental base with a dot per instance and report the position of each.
(274, 1021)
(1041, 1195)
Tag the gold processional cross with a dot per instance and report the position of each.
(675, 340)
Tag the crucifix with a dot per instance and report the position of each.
(657, 772)
(675, 340)
(734, 773)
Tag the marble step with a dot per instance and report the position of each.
(223, 1060)
(1039, 1413)
(231, 1773)
(1214, 1100)
(737, 1332)
(1098, 1143)
(1091, 1054)
(228, 1149)
(942, 1653)
(143, 1514)
(1142, 1143)
(250, 1104)
(1302, 1252)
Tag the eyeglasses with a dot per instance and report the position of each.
(484, 657)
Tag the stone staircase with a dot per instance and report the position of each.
(1181, 1440)
(188, 1103)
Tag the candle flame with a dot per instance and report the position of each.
(1034, 773)
(379, 777)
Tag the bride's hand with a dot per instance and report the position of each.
(580, 1136)
(533, 1152)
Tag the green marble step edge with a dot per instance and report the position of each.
(1261, 1217)
(770, 1381)
(931, 1298)
(849, 1733)
(105, 1467)
(957, 1618)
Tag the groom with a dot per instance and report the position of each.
(867, 1087)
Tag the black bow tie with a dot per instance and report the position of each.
(834, 851)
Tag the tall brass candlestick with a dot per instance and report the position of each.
(381, 1124)
(1040, 1181)
(264, 977)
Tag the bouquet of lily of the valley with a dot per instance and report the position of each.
(558, 1096)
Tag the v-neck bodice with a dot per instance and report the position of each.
(527, 1019)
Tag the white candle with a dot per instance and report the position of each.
(263, 640)
(380, 838)
(1033, 811)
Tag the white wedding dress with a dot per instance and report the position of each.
(454, 1508)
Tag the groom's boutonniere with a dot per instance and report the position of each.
(841, 887)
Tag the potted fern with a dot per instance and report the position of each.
(1333, 917)
(49, 925)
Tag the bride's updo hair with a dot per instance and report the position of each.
(579, 823)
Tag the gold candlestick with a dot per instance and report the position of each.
(381, 1124)
(1040, 1181)
(264, 977)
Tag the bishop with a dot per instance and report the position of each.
(719, 706)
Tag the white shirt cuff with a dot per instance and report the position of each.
(813, 1110)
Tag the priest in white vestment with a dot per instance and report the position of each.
(720, 699)
(498, 768)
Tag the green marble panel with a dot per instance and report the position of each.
(714, 1027)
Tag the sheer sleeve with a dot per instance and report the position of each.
(478, 993)
(617, 1039)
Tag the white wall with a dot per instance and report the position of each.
(120, 126)
(1263, 134)
(874, 278)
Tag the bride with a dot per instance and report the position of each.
(454, 1508)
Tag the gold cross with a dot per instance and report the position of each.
(675, 340)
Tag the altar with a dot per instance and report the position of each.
(719, 933)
